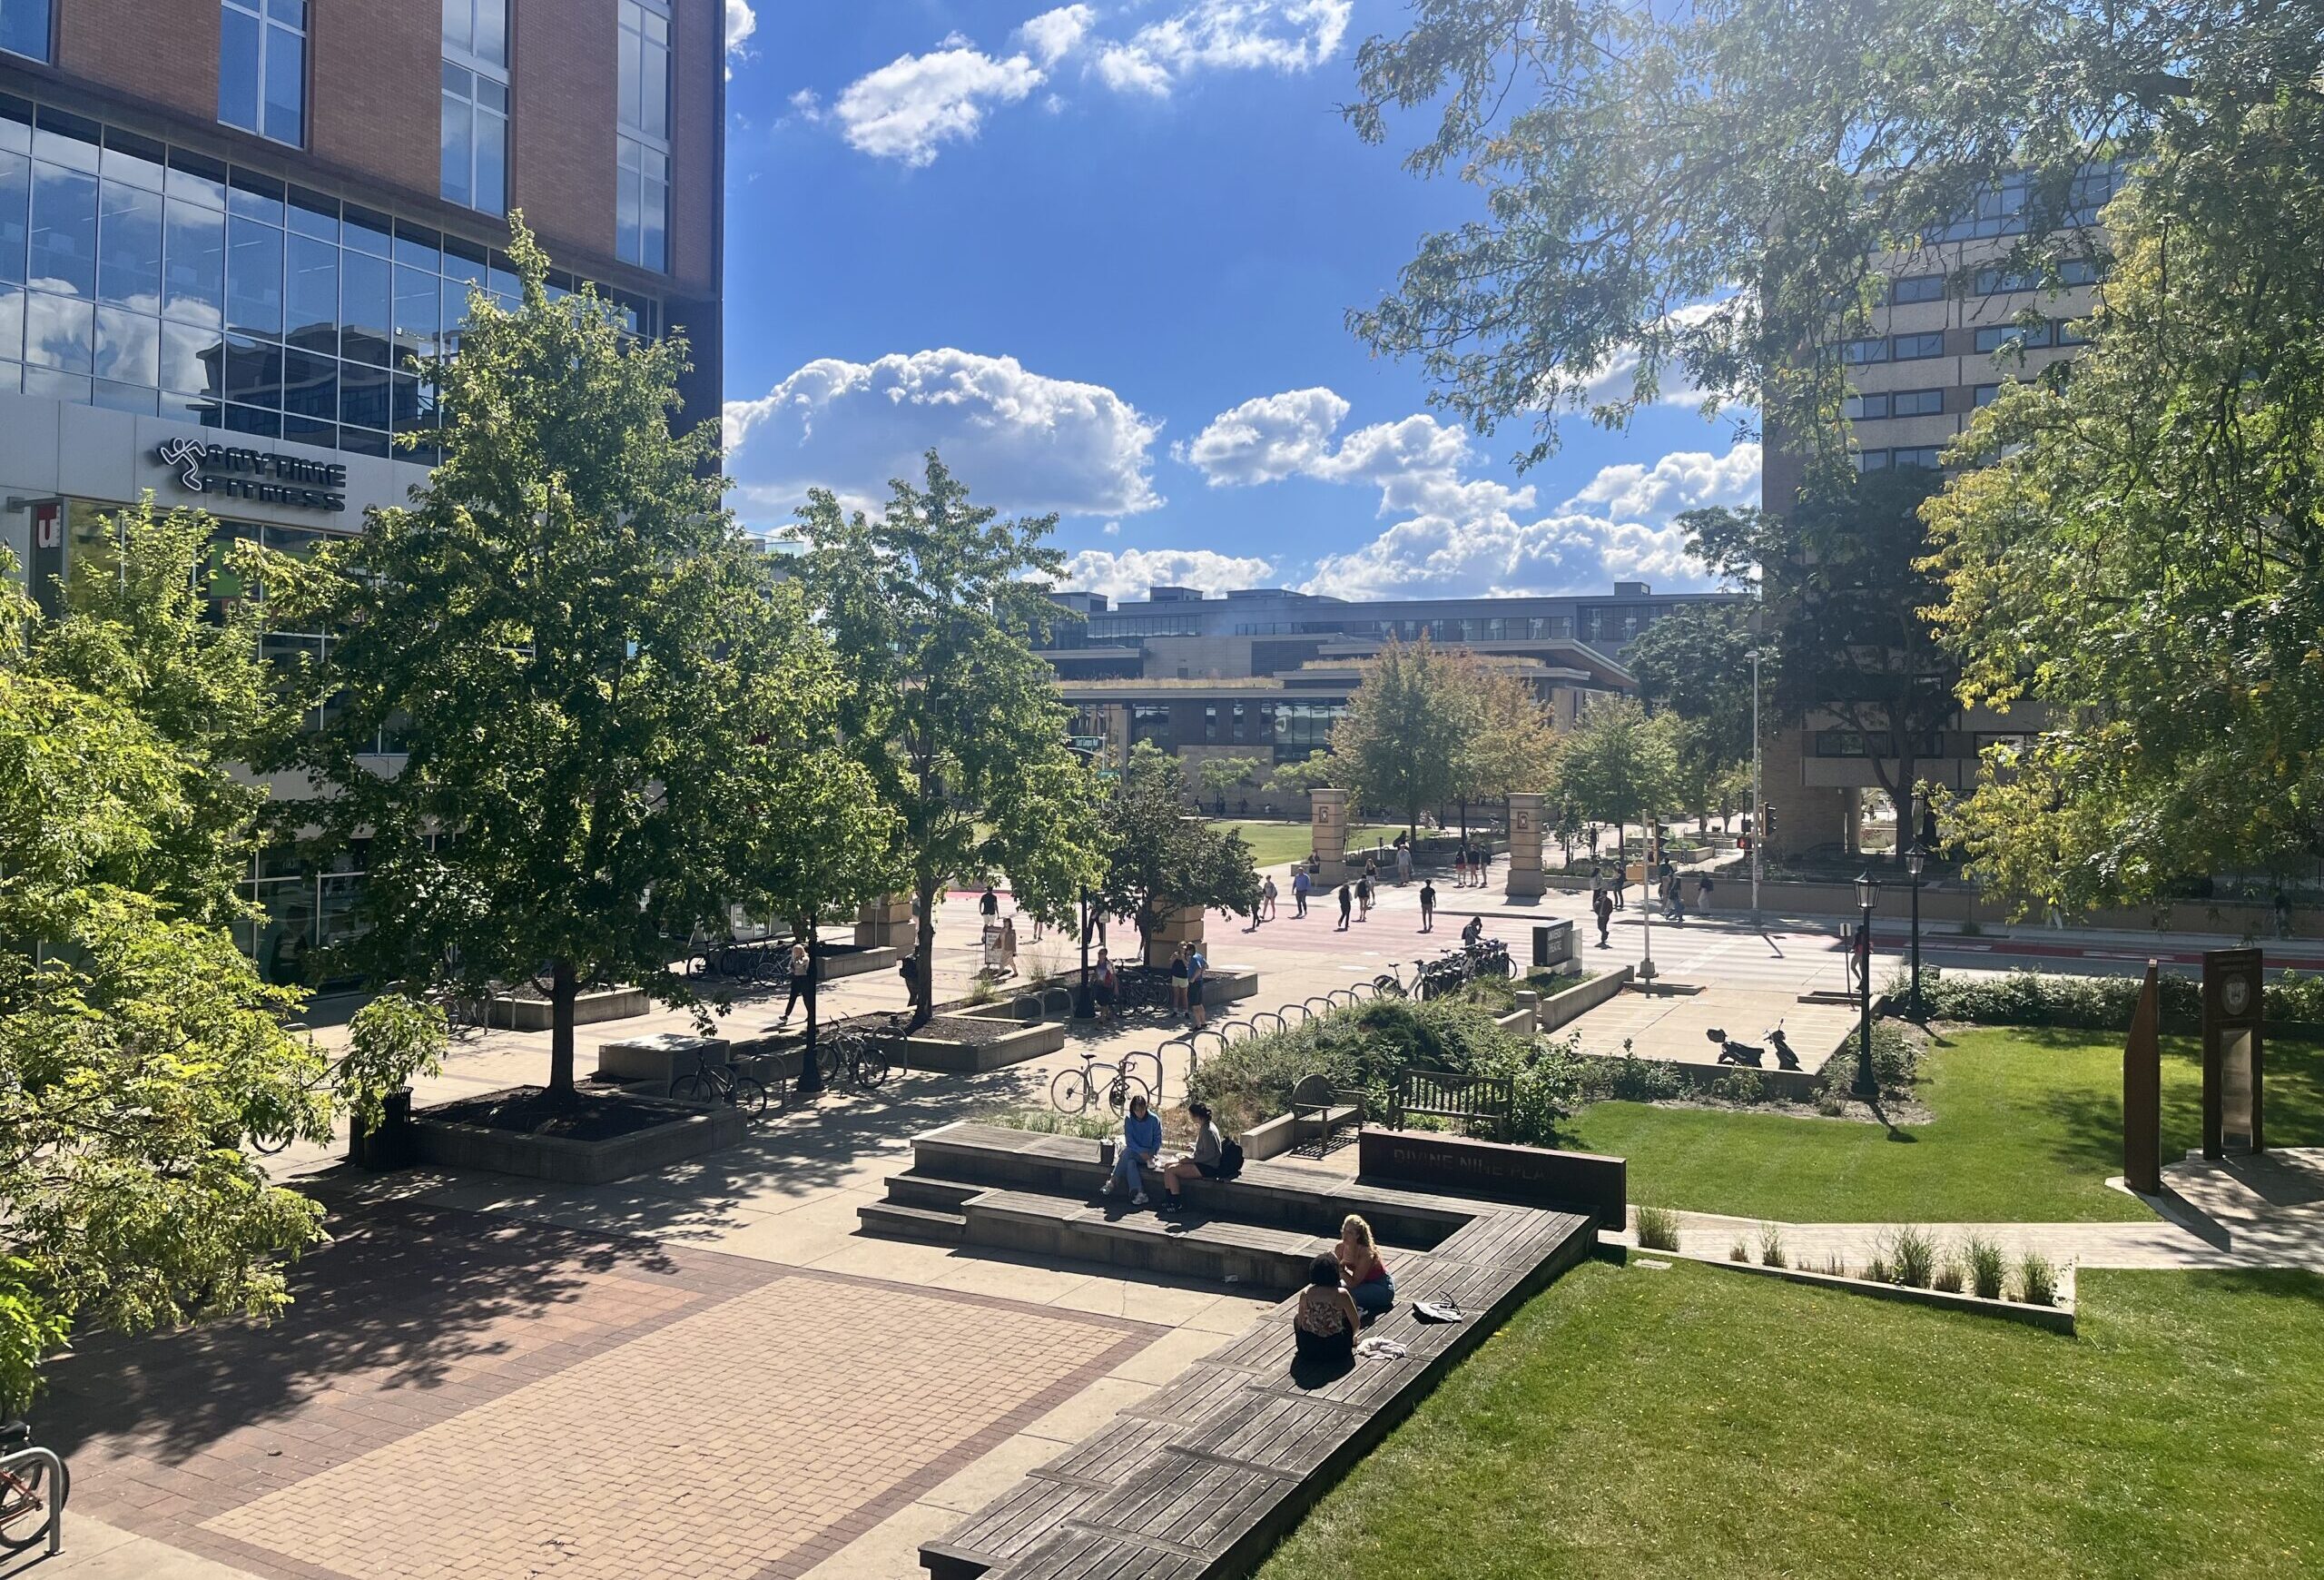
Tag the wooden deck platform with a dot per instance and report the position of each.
(1200, 1479)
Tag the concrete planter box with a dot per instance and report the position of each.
(1574, 1003)
(927, 1050)
(2051, 1318)
(691, 1132)
(833, 960)
(658, 1059)
(516, 1014)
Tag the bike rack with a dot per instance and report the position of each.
(1280, 1025)
(1309, 1003)
(1226, 1028)
(55, 1479)
(1183, 1039)
(1357, 990)
(1306, 1014)
(1335, 995)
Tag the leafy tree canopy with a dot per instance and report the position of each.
(138, 1046)
(2141, 548)
(1618, 765)
(572, 642)
(1694, 193)
(1428, 723)
(948, 708)
(1159, 859)
(1220, 776)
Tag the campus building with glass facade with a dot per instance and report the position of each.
(230, 230)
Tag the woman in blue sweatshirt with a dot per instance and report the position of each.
(1141, 1145)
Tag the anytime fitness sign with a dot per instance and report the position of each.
(254, 474)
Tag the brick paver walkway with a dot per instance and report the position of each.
(456, 1395)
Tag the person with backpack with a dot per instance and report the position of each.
(1460, 866)
(1208, 1161)
(1363, 898)
(1602, 904)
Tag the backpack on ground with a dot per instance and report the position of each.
(1230, 1159)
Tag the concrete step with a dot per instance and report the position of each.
(918, 1190)
(901, 1222)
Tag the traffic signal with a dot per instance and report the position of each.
(1767, 821)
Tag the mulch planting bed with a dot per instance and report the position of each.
(530, 1111)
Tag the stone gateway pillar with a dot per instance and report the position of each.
(886, 924)
(1525, 880)
(1327, 823)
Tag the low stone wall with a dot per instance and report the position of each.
(1534, 1176)
(1560, 1008)
(833, 964)
(2051, 1319)
(520, 1014)
(951, 1056)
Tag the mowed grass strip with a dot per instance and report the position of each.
(1275, 844)
(2026, 1129)
(1698, 1425)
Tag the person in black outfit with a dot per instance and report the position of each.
(1347, 904)
(1323, 1323)
(1427, 907)
(1603, 904)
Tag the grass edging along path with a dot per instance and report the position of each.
(1273, 844)
(1684, 1424)
(2026, 1127)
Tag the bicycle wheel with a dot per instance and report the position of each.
(749, 1094)
(1070, 1092)
(266, 1145)
(1387, 986)
(871, 1067)
(29, 1504)
(1120, 1087)
(836, 1054)
(696, 1088)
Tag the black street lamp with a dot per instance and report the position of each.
(1084, 1007)
(1917, 862)
(1867, 896)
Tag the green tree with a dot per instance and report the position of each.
(1221, 776)
(1510, 745)
(1619, 765)
(1847, 595)
(1316, 771)
(948, 707)
(1157, 859)
(1696, 662)
(567, 637)
(1695, 196)
(2139, 551)
(1405, 729)
(138, 1046)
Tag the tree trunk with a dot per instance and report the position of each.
(562, 991)
(923, 967)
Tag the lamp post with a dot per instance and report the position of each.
(1867, 895)
(1085, 1008)
(1758, 791)
(1915, 863)
(1645, 910)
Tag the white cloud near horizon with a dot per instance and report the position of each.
(1137, 572)
(908, 109)
(741, 23)
(1022, 442)
(1458, 534)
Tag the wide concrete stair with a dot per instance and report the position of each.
(1015, 1190)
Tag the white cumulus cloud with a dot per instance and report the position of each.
(1280, 35)
(1054, 35)
(1134, 572)
(1456, 534)
(1018, 439)
(916, 102)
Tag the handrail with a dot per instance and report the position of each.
(55, 1480)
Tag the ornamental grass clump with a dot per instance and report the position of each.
(1658, 1228)
(1987, 1267)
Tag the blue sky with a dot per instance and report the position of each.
(1101, 255)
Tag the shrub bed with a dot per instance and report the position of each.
(1363, 1047)
(2094, 1003)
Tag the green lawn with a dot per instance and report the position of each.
(1698, 1425)
(2027, 1126)
(1273, 844)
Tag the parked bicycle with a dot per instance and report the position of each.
(34, 1485)
(857, 1057)
(1096, 1085)
(713, 1083)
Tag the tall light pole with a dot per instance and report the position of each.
(1758, 793)
(1645, 908)
(1867, 895)
(1916, 862)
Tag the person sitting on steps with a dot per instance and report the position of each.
(1141, 1150)
(1366, 1275)
(1202, 1163)
(1323, 1324)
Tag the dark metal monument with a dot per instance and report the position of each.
(2143, 1091)
(2234, 1063)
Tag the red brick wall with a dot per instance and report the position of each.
(562, 56)
(375, 73)
(698, 136)
(162, 50)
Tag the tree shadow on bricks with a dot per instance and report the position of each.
(409, 1315)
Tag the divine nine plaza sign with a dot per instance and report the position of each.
(238, 473)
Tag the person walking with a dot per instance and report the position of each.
(1009, 946)
(1372, 869)
(1428, 907)
(1702, 892)
(1196, 969)
(1404, 863)
(800, 977)
(1347, 904)
(1603, 904)
(1178, 980)
(1364, 898)
(989, 904)
(1106, 986)
(1460, 866)
(1300, 883)
(1266, 899)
